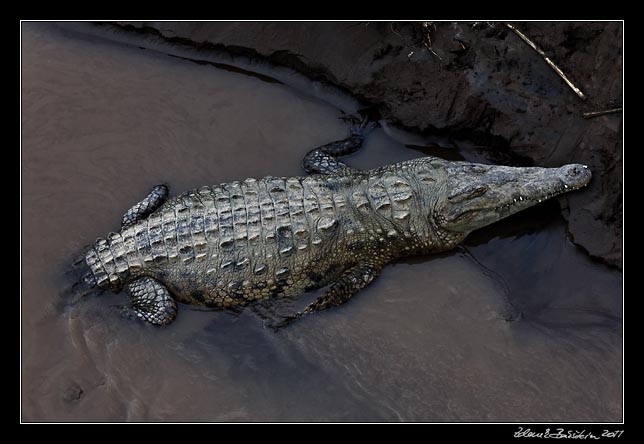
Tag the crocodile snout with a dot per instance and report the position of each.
(575, 175)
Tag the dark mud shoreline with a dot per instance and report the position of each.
(465, 81)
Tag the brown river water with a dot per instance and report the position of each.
(520, 326)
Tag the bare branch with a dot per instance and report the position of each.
(427, 40)
(592, 114)
(548, 61)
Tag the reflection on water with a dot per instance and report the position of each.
(431, 340)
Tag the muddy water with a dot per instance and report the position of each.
(520, 327)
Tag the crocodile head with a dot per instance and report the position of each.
(476, 195)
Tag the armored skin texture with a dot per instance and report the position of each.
(234, 243)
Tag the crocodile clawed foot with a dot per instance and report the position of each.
(126, 310)
(286, 321)
(363, 128)
(353, 119)
(360, 125)
(147, 206)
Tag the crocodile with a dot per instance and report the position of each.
(234, 243)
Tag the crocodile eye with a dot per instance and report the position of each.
(471, 192)
(478, 191)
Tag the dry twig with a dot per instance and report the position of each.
(427, 40)
(592, 114)
(548, 61)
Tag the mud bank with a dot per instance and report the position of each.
(473, 81)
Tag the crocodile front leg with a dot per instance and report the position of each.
(340, 291)
(323, 160)
(151, 301)
(147, 206)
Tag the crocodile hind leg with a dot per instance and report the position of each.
(349, 283)
(323, 160)
(143, 209)
(151, 301)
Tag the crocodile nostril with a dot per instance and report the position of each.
(574, 171)
(575, 175)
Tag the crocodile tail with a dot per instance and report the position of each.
(86, 276)
(83, 281)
